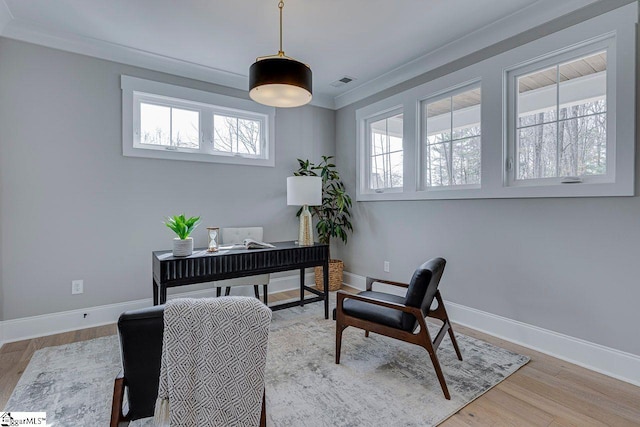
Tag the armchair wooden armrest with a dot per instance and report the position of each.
(371, 281)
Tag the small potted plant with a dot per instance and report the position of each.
(183, 244)
(334, 216)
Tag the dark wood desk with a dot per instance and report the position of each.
(203, 266)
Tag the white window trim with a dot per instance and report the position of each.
(135, 89)
(492, 73)
(367, 149)
(603, 43)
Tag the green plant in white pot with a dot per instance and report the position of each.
(183, 244)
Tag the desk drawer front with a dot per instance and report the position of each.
(246, 263)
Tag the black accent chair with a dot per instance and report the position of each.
(397, 316)
(141, 345)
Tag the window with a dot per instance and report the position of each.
(169, 127)
(554, 117)
(237, 135)
(385, 152)
(561, 125)
(173, 122)
(451, 145)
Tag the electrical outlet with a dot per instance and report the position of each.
(77, 287)
(386, 266)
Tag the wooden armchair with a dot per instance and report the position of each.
(397, 316)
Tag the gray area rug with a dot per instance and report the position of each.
(379, 382)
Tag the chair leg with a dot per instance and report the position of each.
(263, 414)
(218, 291)
(256, 292)
(428, 345)
(445, 319)
(265, 295)
(227, 290)
(436, 366)
(339, 329)
(454, 341)
(117, 417)
(366, 334)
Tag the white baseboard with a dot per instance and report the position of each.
(609, 361)
(54, 323)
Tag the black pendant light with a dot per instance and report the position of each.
(280, 81)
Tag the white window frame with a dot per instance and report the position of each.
(617, 27)
(136, 90)
(447, 93)
(605, 43)
(381, 116)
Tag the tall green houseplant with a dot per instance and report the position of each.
(334, 215)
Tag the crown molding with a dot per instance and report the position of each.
(536, 14)
(27, 32)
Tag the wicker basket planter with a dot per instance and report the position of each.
(336, 267)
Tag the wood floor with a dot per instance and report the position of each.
(545, 392)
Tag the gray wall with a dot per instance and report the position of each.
(567, 265)
(72, 207)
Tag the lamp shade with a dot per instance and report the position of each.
(304, 190)
(280, 82)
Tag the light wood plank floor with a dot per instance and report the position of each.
(545, 392)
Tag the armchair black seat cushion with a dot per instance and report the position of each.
(399, 316)
(376, 313)
(141, 345)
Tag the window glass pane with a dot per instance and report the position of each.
(438, 164)
(583, 86)
(386, 155)
(466, 161)
(466, 114)
(584, 146)
(537, 97)
(573, 142)
(439, 121)
(155, 124)
(249, 137)
(225, 133)
(185, 128)
(456, 119)
(537, 150)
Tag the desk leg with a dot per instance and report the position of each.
(302, 287)
(325, 275)
(155, 292)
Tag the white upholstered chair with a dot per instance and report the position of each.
(236, 235)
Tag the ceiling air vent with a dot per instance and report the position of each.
(343, 81)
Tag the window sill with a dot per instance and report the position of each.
(545, 191)
(153, 153)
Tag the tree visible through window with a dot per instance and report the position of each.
(236, 135)
(452, 143)
(169, 126)
(386, 153)
(562, 120)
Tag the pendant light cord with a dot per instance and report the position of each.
(280, 6)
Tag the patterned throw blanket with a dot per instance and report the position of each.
(213, 358)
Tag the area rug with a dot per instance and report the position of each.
(379, 382)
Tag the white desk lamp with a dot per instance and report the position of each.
(304, 191)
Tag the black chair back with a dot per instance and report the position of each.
(141, 343)
(422, 290)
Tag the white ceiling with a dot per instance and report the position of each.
(365, 39)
